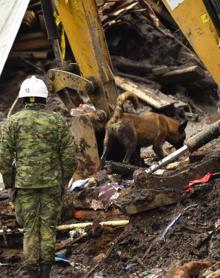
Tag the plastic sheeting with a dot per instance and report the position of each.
(11, 15)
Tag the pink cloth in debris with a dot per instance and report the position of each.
(109, 192)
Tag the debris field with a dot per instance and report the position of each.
(170, 227)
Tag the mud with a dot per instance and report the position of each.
(121, 252)
(193, 237)
(137, 248)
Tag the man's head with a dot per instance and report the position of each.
(33, 90)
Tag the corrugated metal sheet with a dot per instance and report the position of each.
(11, 15)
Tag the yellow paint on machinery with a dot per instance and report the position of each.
(87, 149)
(86, 37)
(195, 22)
(87, 40)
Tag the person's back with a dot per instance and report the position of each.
(37, 138)
(37, 156)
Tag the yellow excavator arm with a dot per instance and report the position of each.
(199, 22)
(86, 37)
(87, 40)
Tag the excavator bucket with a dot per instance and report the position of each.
(86, 37)
(87, 150)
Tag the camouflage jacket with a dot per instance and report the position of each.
(41, 145)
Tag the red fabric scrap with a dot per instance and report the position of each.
(204, 179)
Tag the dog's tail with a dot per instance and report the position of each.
(119, 105)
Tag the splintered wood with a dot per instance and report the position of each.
(153, 97)
(110, 11)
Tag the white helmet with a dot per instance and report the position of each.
(33, 87)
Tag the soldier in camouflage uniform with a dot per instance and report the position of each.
(44, 153)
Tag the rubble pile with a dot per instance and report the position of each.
(123, 222)
(145, 55)
(144, 51)
(148, 226)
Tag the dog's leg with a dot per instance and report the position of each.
(129, 151)
(158, 146)
(106, 148)
(129, 140)
(136, 158)
(158, 151)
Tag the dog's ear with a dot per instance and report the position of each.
(182, 126)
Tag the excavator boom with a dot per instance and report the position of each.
(199, 22)
(87, 40)
(85, 34)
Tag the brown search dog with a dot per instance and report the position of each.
(136, 131)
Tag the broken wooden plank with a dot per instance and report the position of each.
(136, 204)
(149, 83)
(178, 103)
(160, 10)
(181, 177)
(160, 70)
(29, 54)
(65, 227)
(124, 170)
(29, 19)
(163, 191)
(41, 43)
(183, 74)
(31, 41)
(124, 9)
(131, 66)
(153, 97)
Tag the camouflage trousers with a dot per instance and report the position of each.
(38, 212)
